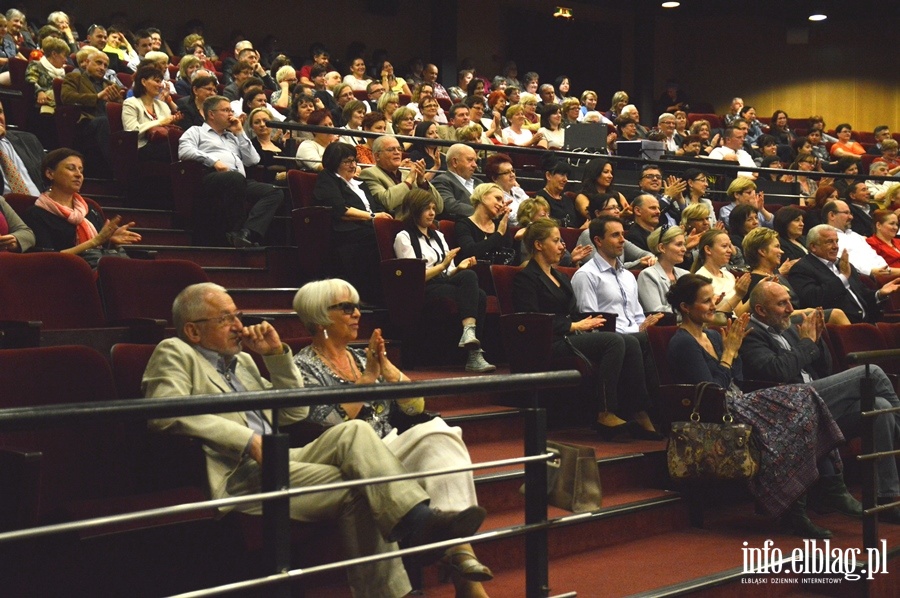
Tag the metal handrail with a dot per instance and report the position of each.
(276, 493)
(45, 416)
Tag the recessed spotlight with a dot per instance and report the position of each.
(818, 17)
(671, 4)
(563, 13)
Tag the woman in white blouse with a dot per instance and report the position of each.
(357, 79)
(309, 153)
(516, 133)
(151, 106)
(421, 240)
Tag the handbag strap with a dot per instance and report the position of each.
(698, 397)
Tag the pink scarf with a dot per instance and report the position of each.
(84, 230)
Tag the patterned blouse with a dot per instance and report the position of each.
(316, 373)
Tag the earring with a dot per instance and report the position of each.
(325, 332)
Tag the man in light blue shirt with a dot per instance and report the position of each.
(604, 285)
(220, 145)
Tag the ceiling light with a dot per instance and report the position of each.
(563, 13)
(671, 4)
(818, 17)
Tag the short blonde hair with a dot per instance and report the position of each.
(471, 133)
(482, 190)
(529, 208)
(54, 44)
(526, 98)
(695, 211)
(513, 110)
(739, 185)
(313, 299)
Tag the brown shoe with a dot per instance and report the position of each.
(444, 525)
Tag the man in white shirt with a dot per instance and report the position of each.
(221, 145)
(666, 124)
(732, 150)
(837, 214)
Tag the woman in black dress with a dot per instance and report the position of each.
(483, 234)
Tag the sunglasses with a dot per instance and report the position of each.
(345, 306)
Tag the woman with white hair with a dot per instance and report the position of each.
(286, 78)
(329, 309)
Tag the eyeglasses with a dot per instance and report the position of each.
(507, 172)
(345, 306)
(653, 177)
(222, 321)
(348, 161)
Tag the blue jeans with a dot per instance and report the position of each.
(841, 393)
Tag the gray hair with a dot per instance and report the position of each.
(628, 109)
(156, 56)
(592, 116)
(285, 72)
(85, 54)
(664, 115)
(212, 102)
(379, 142)
(545, 87)
(313, 299)
(57, 16)
(812, 237)
(242, 45)
(13, 13)
(190, 304)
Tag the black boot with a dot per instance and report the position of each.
(831, 494)
(797, 522)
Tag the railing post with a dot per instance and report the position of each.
(537, 581)
(276, 513)
(867, 437)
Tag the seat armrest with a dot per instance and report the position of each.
(528, 340)
(20, 478)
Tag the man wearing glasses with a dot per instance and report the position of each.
(386, 180)
(837, 214)
(671, 197)
(221, 145)
(207, 357)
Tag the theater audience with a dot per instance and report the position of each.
(420, 240)
(63, 221)
(789, 225)
(597, 180)
(714, 253)
(484, 233)
(191, 107)
(654, 281)
(267, 143)
(499, 169)
(844, 146)
(431, 154)
(149, 108)
(795, 431)
(386, 181)
(330, 309)
(309, 152)
(15, 236)
(540, 287)
(885, 241)
(21, 156)
(353, 209)
(373, 122)
(41, 73)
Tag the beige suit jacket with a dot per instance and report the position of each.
(176, 369)
(391, 194)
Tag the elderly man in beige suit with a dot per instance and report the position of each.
(207, 358)
(386, 181)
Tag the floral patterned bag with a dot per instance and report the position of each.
(711, 451)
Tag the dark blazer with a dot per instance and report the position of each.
(192, 116)
(817, 286)
(791, 251)
(534, 292)
(331, 191)
(765, 359)
(862, 223)
(30, 150)
(457, 199)
(638, 236)
(53, 233)
(472, 241)
(117, 64)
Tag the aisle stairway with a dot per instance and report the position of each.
(639, 543)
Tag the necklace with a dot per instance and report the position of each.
(351, 373)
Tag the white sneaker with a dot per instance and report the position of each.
(468, 339)
(477, 362)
